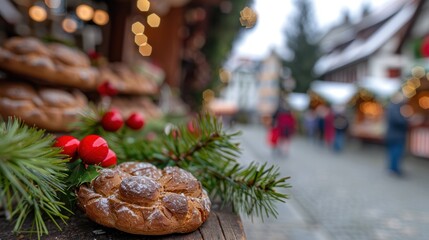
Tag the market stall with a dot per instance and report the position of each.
(331, 93)
(369, 121)
(416, 90)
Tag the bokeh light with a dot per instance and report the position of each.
(418, 72)
(143, 5)
(424, 102)
(145, 50)
(69, 25)
(101, 17)
(140, 39)
(38, 13)
(137, 28)
(407, 111)
(84, 12)
(153, 20)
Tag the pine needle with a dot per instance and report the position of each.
(31, 173)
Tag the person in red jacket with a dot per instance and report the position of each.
(284, 121)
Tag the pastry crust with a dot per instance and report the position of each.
(139, 198)
(48, 108)
(54, 64)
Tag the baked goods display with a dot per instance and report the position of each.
(36, 64)
(54, 63)
(139, 198)
(125, 80)
(49, 108)
(142, 105)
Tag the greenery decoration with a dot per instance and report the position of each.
(37, 183)
(31, 176)
(209, 153)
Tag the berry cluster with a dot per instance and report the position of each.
(92, 150)
(112, 121)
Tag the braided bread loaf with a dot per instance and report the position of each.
(55, 64)
(48, 108)
(139, 198)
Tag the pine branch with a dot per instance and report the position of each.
(31, 173)
(211, 155)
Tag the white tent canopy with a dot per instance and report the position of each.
(298, 101)
(336, 93)
(380, 87)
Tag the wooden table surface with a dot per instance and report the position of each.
(221, 224)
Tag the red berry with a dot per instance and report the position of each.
(93, 149)
(112, 121)
(110, 159)
(69, 144)
(107, 89)
(135, 121)
(193, 128)
(175, 133)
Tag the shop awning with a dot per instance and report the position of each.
(298, 101)
(336, 93)
(381, 87)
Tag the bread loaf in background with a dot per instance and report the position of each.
(139, 198)
(54, 64)
(48, 108)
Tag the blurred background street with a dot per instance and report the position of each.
(347, 195)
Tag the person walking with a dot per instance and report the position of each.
(395, 139)
(341, 125)
(284, 122)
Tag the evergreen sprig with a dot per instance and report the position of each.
(210, 154)
(30, 176)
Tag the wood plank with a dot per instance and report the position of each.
(231, 225)
(211, 229)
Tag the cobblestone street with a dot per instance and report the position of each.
(341, 196)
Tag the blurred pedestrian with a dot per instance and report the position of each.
(284, 122)
(329, 128)
(341, 125)
(397, 128)
(310, 124)
(321, 112)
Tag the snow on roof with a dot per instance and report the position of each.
(298, 101)
(360, 49)
(336, 93)
(381, 87)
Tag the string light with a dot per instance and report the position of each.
(69, 25)
(37, 13)
(153, 20)
(424, 102)
(101, 17)
(418, 72)
(143, 5)
(137, 28)
(145, 50)
(140, 39)
(85, 12)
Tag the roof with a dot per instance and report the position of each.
(362, 47)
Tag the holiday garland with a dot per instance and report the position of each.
(33, 174)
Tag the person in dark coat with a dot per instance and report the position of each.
(341, 125)
(396, 134)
